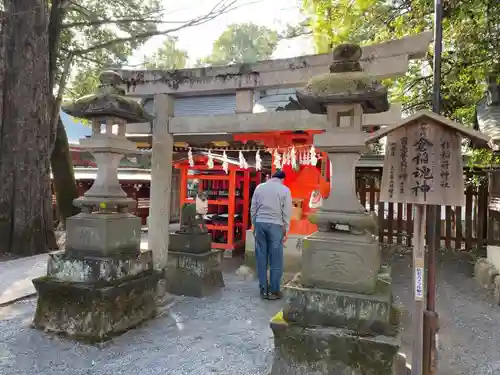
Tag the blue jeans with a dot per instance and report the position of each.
(269, 251)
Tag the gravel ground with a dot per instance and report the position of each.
(228, 334)
(469, 336)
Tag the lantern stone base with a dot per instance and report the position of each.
(331, 351)
(365, 314)
(65, 266)
(323, 331)
(95, 311)
(194, 275)
(340, 260)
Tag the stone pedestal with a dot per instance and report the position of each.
(98, 310)
(325, 331)
(330, 350)
(103, 234)
(195, 275)
(190, 242)
(102, 285)
(341, 260)
(366, 315)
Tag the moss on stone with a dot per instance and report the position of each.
(328, 84)
(90, 313)
(335, 349)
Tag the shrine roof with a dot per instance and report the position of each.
(475, 136)
(131, 174)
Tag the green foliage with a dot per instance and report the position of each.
(168, 56)
(483, 158)
(242, 43)
(85, 81)
(93, 23)
(103, 33)
(471, 42)
(471, 48)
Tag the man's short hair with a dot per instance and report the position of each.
(280, 174)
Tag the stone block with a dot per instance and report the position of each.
(190, 243)
(195, 275)
(74, 268)
(360, 313)
(484, 273)
(341, 261)
(103, 234)
(94, 312)
(328, 350)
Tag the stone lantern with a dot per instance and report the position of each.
(101, 284)
(337, 316)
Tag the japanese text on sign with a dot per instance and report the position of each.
(419, 283)
(423, 165)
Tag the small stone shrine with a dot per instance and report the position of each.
(193, 268)
(338, 316)
(101, 284)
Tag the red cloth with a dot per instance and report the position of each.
(290, 174)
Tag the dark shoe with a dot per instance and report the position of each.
(263, 293)
(275, 296)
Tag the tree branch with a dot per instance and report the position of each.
(97, 62)
(115, 21)
(219, 9)
(80, 9)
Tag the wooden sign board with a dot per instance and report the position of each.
(423, 165)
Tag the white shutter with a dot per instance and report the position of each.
(205, 105)
(199, 105)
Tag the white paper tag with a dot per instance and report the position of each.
(419, 279)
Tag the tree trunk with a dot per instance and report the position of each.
(26, 225)
(63, 176)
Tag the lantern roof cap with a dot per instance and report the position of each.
(346, 83)
(108, 101)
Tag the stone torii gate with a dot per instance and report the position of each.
(386, 60)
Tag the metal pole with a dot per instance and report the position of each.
(438, 49)
(434, 217)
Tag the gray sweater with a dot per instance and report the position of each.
(272, 203)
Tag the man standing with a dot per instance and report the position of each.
(270, 212)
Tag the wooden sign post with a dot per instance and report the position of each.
(423, 166)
